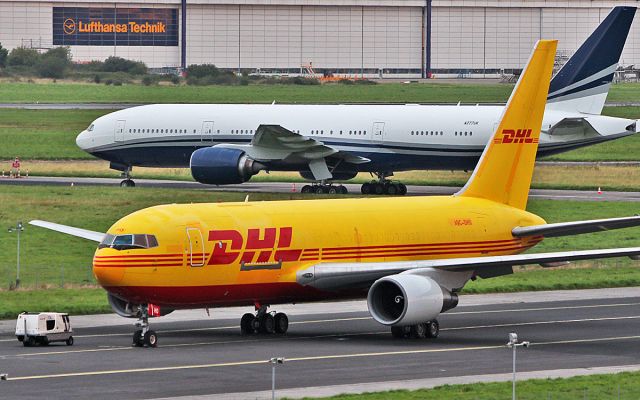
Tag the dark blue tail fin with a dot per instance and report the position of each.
(582, 84)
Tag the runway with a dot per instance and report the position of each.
(340, 346)
(288, 187)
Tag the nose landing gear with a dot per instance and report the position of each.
(145, 336)
(264, 322)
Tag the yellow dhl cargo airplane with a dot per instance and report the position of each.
(409, 256)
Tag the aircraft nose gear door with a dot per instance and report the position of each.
(207, 131)
(119, 132)
(378, 132)
(195, 247)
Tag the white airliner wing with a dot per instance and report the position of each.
(276, 143)
(334, 276)
(70, 230)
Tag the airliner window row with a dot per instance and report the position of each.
(428, 133)
(321, 132)
(147, 130)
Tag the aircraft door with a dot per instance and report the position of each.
(378, 132)
(119, 132)
(207, 131)
(195, 248)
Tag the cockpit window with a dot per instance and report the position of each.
(130, 241)
(90, 128)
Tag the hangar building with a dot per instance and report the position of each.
(370, 37)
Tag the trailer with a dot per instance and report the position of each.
(44, 328)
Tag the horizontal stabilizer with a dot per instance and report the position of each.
(577, 227)
(70, 230)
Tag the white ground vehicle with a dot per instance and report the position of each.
(44, 328)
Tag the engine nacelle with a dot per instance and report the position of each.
(128, 310)
(337, 175)
(221, 166)
(408, 299)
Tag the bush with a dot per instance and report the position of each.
(149, 80)
(3, 56)
(202, 70)
(22, 56)
(54, 63)
(119, 64)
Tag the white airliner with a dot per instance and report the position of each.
(229, 143)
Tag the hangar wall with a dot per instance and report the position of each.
(344, 36)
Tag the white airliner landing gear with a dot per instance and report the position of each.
(384, 185)
(322, 187)
(145, 336)
(127, 182)
(264, 322)
(429, 329)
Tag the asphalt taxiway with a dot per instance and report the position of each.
(338, 349)
(289, 187)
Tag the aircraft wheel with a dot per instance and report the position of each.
(391, 189)
(69, 341)
(246, 324)
(281, 323)
(267, 324)
(402, 189)
(151, 339)
(127, 183)
(419, 331)
(138, 340)
(306, 189)
(399, 332)
(319, 189)
(332, 190)
(433, 329)
(366, 188)
(343, 189)
(378, 188)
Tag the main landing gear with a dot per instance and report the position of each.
(264, 322)
(145, 336)
(127, 182)
(320, 188)
(429, 329)
(384, 186)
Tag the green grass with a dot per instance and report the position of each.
(437, 92)
(75, 301)
(623, 386)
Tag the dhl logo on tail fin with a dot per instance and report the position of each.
(515, 136)
(504, 171)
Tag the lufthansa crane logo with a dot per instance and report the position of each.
(69, 26)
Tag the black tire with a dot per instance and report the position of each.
(378, 188)
(343, 189)
(151, 338)
(366, 188)
(391, 189)
(137, 338)
(20, 338)
(246, 324)
(319, 190)
(28, 341)
(419, 331)
(433, 329)
(267, 324)
(281, 323)
(306, 189)
(332, 190)
(398, 332)
(124, 183)
(131, 183)
(44, 341)
(69, 341)
(402, 189)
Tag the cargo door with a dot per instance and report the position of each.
(119, 133)
(195, 248)
(207, 131)
(377, 135)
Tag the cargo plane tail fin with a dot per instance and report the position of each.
(504, 171)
